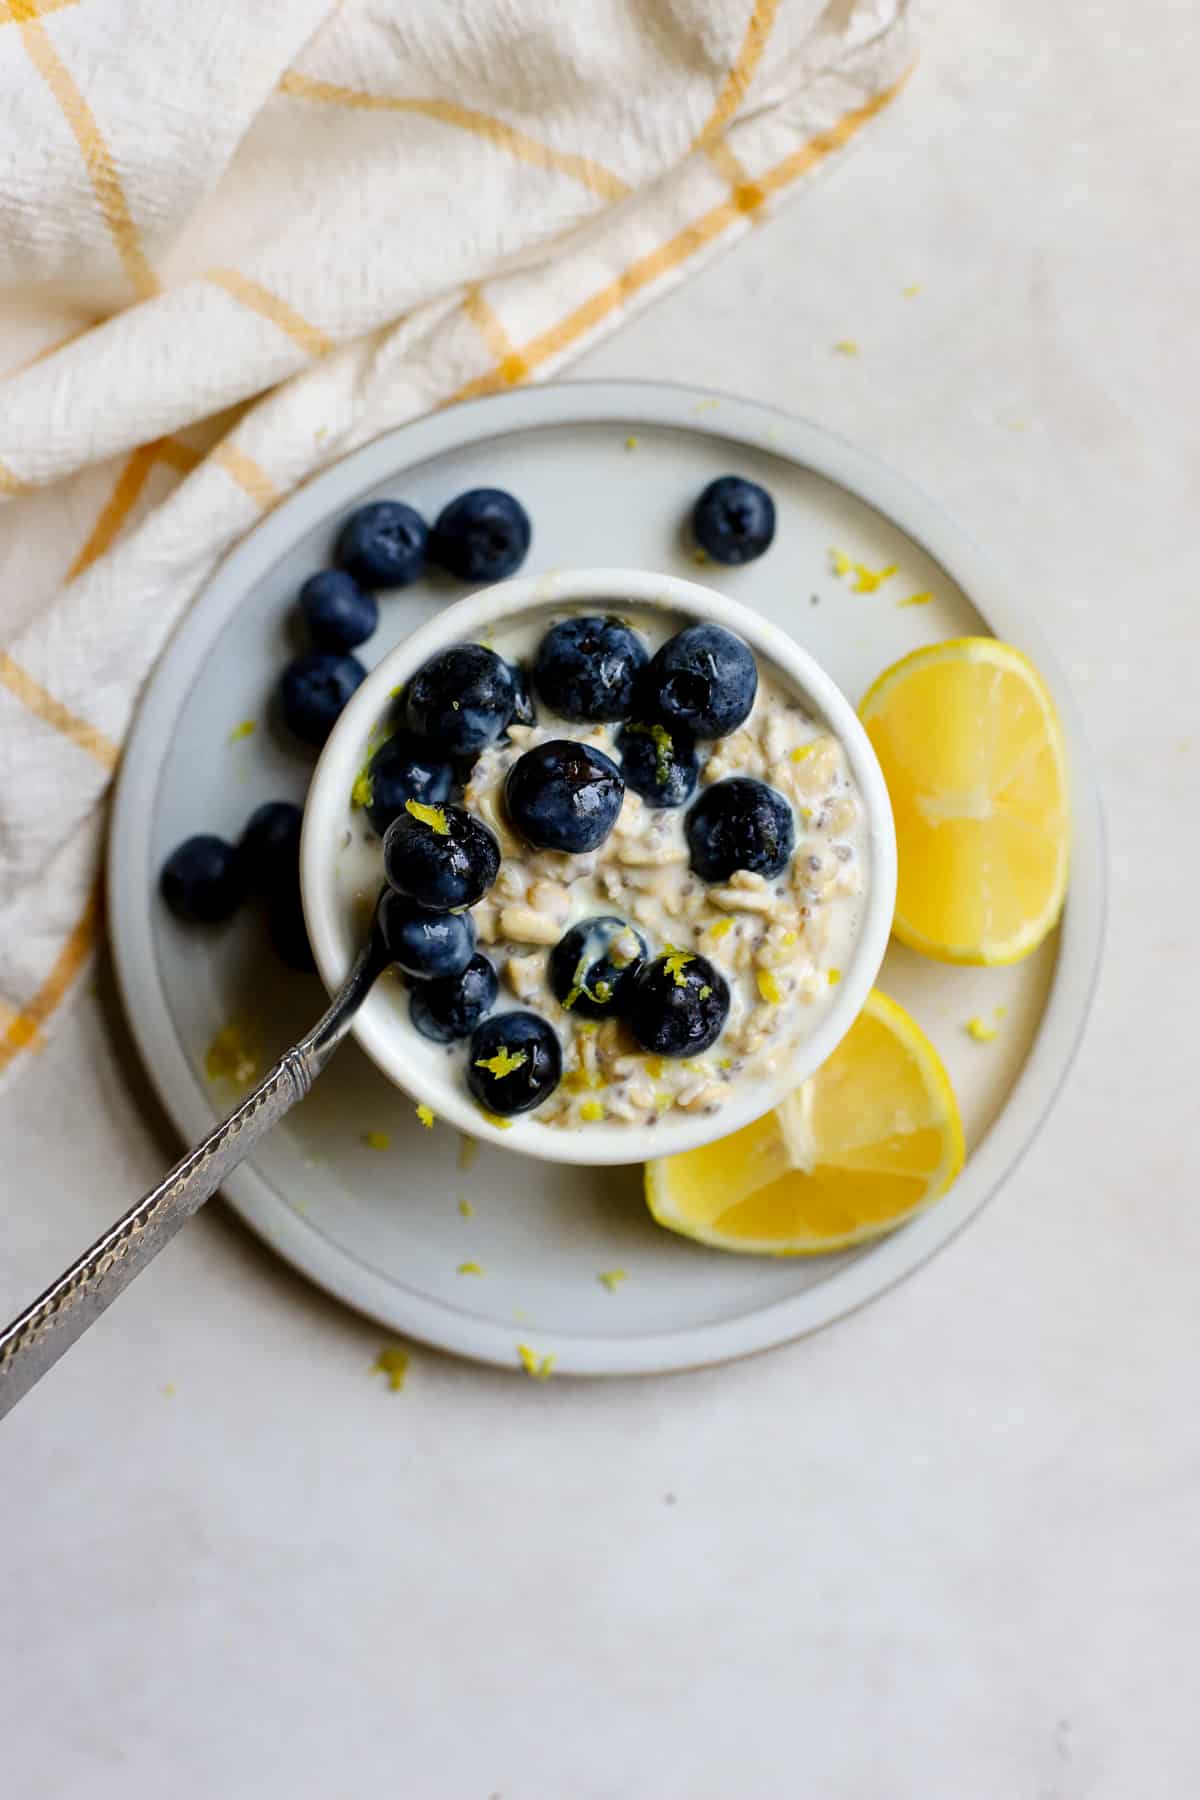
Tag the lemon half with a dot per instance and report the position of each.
(972, 752)
(868, 1141)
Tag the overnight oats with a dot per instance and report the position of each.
(625, 866)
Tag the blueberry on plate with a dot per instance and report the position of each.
(285, 923)
(592, 967)
(383, 545)
(587, 668)
(439, 856)
(703, 679)
(427, 945)
(338, 613)
(270, 845)
(679, 1004)
(734, 520)
(740, 823)
(484, 535)
(563, 795)
(514, 1062)
(461, 699)
(523, 712)
(404, 768)
(203, 880)
(452, 1006)
(659, 764)
(313, 690)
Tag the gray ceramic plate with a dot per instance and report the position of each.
(608, 472)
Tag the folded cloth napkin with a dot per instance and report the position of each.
(345, 215)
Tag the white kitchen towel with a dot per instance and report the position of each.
(237, 240)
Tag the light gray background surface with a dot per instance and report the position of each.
(949, 1548)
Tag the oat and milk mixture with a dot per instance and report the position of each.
(778, 940)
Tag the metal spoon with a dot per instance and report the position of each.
(38, 1336)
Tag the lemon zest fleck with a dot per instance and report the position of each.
(921, 599)
(503, 1063)
(768, 987)
(468, 1150)
(361, 793)
(392, 1361)
(496, 1120)
(631, 443)
(611, 1279)
(803, 751)
(246, 729)
(538, 1368)
(377, 1140)
(664, 744)
(675, 962)
(842, 564)
(866, 580)
(981, 1031)
(169, 1390)
(705, 991)
(433, 816)
(847, 346)
(663, 1100)
(912, 290)
(426, 1115)
(720, 928)
(577, 1081)
(592, 1110)
(654, 1067)
(833, 977)
(470, 1268)
(233, 1055)
(788, 939)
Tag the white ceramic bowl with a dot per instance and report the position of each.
(383, 1028)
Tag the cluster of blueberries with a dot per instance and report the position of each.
(565, 796)
(560, 795)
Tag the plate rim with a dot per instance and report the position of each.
(670, 406)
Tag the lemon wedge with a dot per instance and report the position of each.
(972, 752)
(871, 1139)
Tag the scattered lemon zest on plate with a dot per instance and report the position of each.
(847, 346)
(866, 580)
(912, 290)
(465, 1207)
(980, 1030)
(631, 443)
(377, 1140)
(675, 963)
(921, 599)
(505, 1062)
(233, 1055)
(768, 987)
(611, 1279)
(246, 729)
(470, 1268)
(592, 1111)
(433, 816)
(468, 1150)
(426, 1115)
(392, 1361)
(539, 1368)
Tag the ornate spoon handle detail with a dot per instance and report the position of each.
(37, 1337)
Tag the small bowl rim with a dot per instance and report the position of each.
(480, 614)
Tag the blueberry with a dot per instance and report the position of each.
(514, 1061)
(203, 880)
(523, 712)
(462, 699)
(703, 679)
(586, 668)
(383, 545)
(734, 520)
(452, 1006)
(285, 922)
(589, 975)
(482, 536)
(658, 764)
(564, 796)
(270, 845)
(427, 945)
(439, 856)
(313, 690)
(403, 768)
(679, 1005)
(740, 824)
(339, 614)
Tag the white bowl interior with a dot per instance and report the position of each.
(427, 1072)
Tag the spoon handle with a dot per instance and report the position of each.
(37, 1337)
